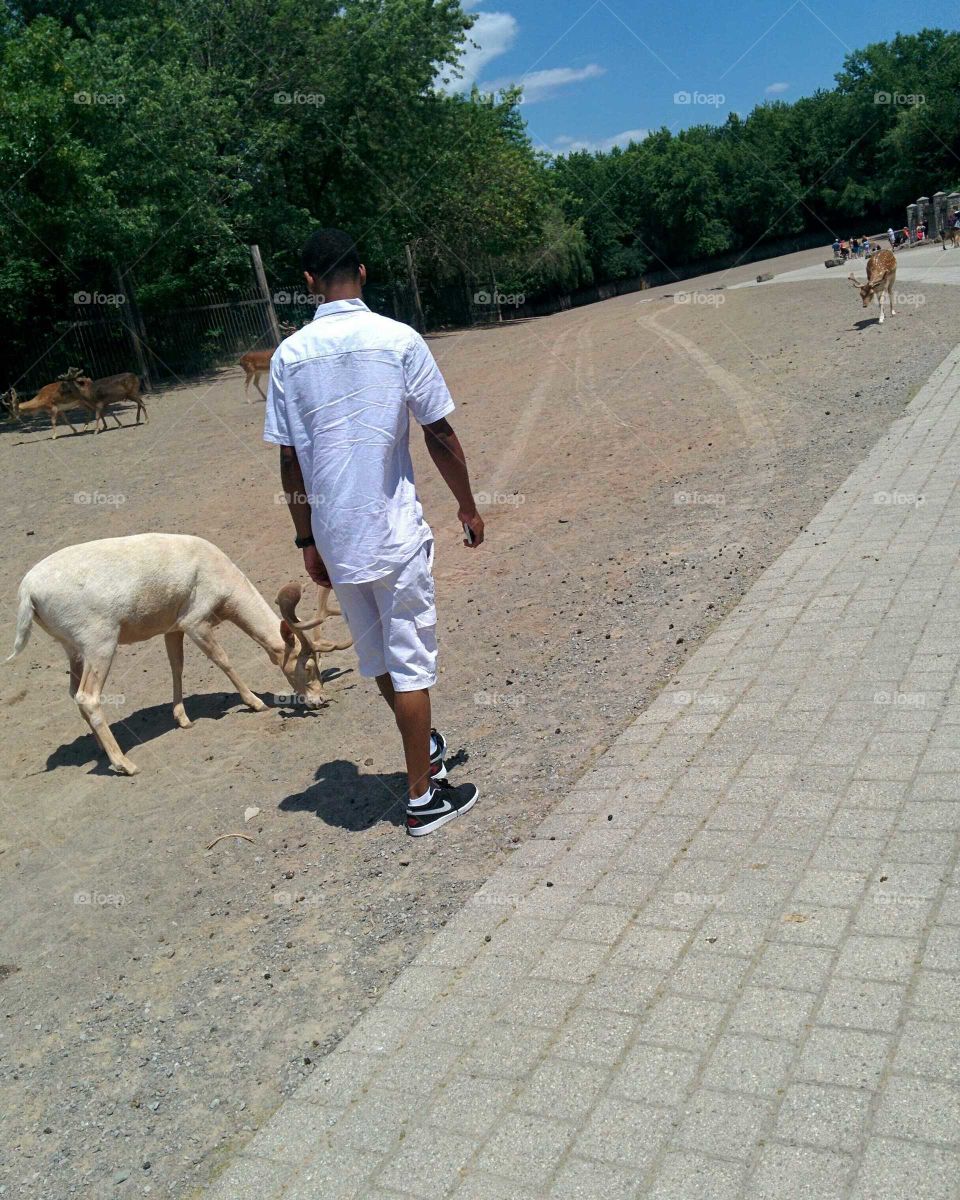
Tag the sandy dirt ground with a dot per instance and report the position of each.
(640, 460)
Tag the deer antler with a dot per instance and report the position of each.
(287, 600)
(71, 375)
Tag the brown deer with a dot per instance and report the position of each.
(881, 276)
(255, 363)
(51, 399)
(99, 395)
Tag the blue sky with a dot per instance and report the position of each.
(597, 72)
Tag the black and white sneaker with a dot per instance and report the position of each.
(443, 802)
(438, 752)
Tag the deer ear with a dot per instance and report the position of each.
(286, 633)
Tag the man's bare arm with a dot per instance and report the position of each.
(449, 459)
(295, 491)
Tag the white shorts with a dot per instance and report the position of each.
(393, 622)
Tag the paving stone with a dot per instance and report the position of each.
(920, 1109)
(337, 1173)
(723, 1124)
(469, 1104)
(832, 1117)
(651, 949)
(878, 958)
(797, 1173)
(561, 1088)
(654, 1071)
(622, 988)
(429, 1163)
(682, 1021)
(593, 1035)
(709, 976)
(622, 1131)
(861, 1004)
(570, 961)
(772, 1013)
(754, 1065)
(802, 968)
(479, 1185)
(580, 1179)
(248, 1176)
(526, 1148)
(918, 1171)
(689, 1176)
(943, 950)
(936, 997)
(929, 1048)
(844, 1056)
(506, 1049)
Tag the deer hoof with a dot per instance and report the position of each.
(257, 705)
(126, 767)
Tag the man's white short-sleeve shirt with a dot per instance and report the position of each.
(342, 390)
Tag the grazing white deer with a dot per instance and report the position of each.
(881, 276)
(255, 363)
(96, 595)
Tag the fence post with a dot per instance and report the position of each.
(261, 277)
(133, 323)
(411, 272)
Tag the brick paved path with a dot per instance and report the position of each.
(745, 983)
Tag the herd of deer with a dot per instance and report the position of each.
(74, 390)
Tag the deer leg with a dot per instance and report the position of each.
(880, 303)
(116, 418)
(893, 311)
(174, 644)
(246, 387)
(203, 637)
(141, 407)
(88, 692)
(256, 384)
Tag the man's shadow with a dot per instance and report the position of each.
(341, 796)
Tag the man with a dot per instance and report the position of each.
(341, 393)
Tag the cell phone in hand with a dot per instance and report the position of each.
(468, 534)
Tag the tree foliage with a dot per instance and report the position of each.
(167, 137)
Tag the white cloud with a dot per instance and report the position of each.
(569, 145)
(494, 33)
(541, 85)
(777, 89)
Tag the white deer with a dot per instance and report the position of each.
(881, 276)
(98, 595)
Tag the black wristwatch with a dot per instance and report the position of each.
(303, 543)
